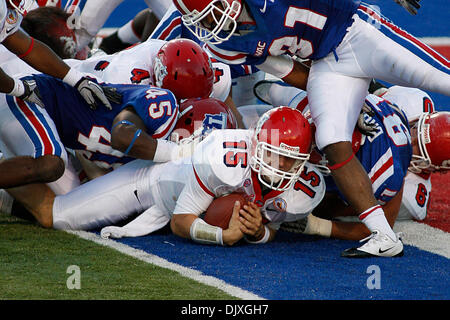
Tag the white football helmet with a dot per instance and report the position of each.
(223, 12)
(433, 138)
(282, 137)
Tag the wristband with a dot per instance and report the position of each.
(202, 232)
(165, 151)
(72, 77)
(18, 88)
(318, 226)
(263, 239)
(30, 47)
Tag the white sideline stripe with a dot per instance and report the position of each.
(424, 237)
(153, 259)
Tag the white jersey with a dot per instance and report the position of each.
(9, 21)
(412, 101)
(219, 166)
(135, 65)
(416, 197)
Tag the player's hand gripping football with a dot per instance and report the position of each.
(233, 234)
(91, 91)
(251, 219)
(410, 5)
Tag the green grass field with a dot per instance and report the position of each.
(34, 264)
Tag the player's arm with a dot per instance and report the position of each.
(129, 136)
(36, 54)
(189, 226)
(289, 70)
(42, 58)
(351, 230)
(252, 226)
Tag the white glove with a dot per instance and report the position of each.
(112, 232)
(410, 5)
(90, 90)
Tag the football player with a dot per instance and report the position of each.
(33, 139)
(414, 102)
(141, 64)
(181, 66)
(338, 36)
(176, 64)
(244, 76)
(417, 189)
(40, 57)
(384, 157)
(267, 163)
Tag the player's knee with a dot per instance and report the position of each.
(48, 168)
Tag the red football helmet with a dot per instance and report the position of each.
(285, 132)
(184, 68)
(224, 13)
(433, 138)
(201, 116)
(22, 6)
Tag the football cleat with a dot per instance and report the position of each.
(379, 245)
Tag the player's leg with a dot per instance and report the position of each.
(386, 52)
(103, 201)
(136, 30)
(335, 102)
(36, 199)
(92, 18)
(30, 143)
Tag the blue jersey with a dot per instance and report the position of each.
(81, 128)
(386, 155)
(309, 29)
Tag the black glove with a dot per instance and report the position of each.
(91, 91)
(112, 95)
(410, 5)
(31, 93)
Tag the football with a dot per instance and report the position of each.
(220, 210)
